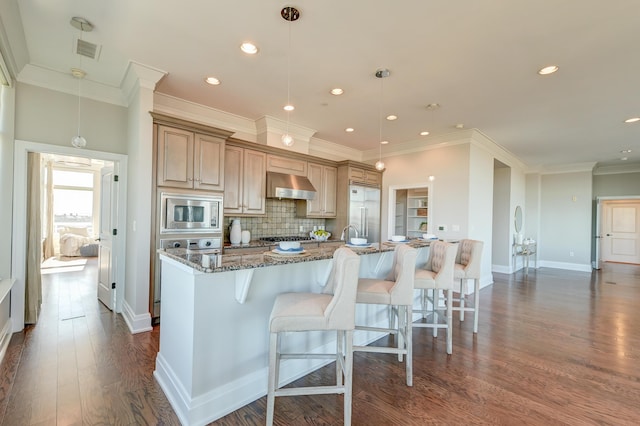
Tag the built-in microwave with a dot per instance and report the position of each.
(190, 213)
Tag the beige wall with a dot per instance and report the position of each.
(51, 117)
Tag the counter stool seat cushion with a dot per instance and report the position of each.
(299, 312)
(374, 291)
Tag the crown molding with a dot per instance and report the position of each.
(139, 76)
(550, 169)
(66, 83)
(332, 151)
(614, 170)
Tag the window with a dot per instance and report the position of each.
(73, 197)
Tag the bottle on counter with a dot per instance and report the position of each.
(235, 234)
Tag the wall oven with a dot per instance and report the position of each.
(191, 213)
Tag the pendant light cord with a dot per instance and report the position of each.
(79, 79)
(289, 75)
(380, 119)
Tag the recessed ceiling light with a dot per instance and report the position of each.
(548, 70)
(249, 48)
(349, 129)
(212, 81)
(392, 117)
(384, 142)
(632, 120)
(425, 133)
(624, 158)
(459, 126)
(337, 91)
(433, 106)
(289, 108)
(625, 151)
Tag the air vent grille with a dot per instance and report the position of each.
(87, 49)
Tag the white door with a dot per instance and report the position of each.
(621, 231)
(106, 260)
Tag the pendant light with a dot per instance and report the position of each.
(83, 25)
(289, 14)
(380, 73)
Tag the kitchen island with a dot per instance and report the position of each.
(214, 333)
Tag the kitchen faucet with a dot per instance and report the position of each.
(346, 228)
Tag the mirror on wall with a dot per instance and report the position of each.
(517, 220)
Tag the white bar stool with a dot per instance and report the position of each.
(467, 267)
(437, 275)
(396, 290)
(300, 312)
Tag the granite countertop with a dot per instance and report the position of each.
(235, 262)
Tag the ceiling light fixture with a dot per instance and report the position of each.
(392, 117)
(425, 133)
(548, 70)
(249, 48)
(212, 81)
(632, 120)
(337, 91)
(625, 151)
(82, 25)
(289, 14)
(349, 129)
(381, 73)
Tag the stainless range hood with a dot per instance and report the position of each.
(280, 185)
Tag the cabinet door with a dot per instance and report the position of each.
(254, 185)
(372, 178)
(315, 176)
(330, 181)
(286, 165)
(233, 163)
(208, 170)
(175, 157)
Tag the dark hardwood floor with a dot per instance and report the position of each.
(554, 348)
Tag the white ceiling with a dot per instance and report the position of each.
(477, 59)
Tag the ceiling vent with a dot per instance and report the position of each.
(87, 49)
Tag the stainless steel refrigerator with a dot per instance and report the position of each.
(364, 211)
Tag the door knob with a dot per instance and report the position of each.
(609, 235)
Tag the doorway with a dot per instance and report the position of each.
(19, 238)
(618, 228)
(410, 212)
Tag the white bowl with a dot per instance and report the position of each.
(358, 241)
(429, 237)
(289, 245)
(320, 237)
(398, 238)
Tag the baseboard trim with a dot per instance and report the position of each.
(136, 323)
(582, 267)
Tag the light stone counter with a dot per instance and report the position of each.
(214, 324)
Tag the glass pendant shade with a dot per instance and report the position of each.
(78, 141)
(379, 165)
(287, 139)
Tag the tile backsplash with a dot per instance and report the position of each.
(280, 220)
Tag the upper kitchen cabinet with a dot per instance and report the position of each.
(189, 160)
(292, 166)
(324, 179)
(363, 176)
(245, 181)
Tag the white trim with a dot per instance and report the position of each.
(564, 265)
(391, 206)
(136, 323)
(19, 240)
